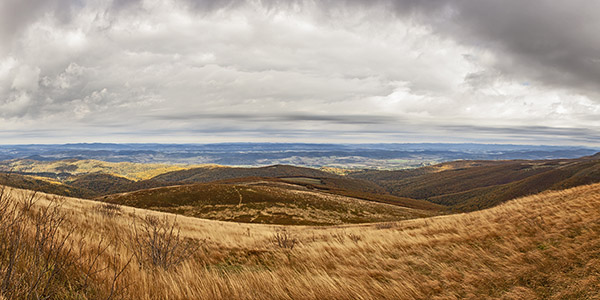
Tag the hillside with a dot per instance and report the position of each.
(472, 185)
(292, 174)
(310, 178)
(538, 247)
(81, 186)
(71, 167)
(42, 184)
(457, 186)
(98, 184)
(90, 179)
(212, 174)
(267, 202)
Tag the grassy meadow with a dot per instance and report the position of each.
(543, 246)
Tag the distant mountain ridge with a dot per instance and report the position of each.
(355, 156)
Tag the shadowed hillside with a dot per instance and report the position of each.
(96, 184)
(42, 184)
(472, 185)
(220, 173)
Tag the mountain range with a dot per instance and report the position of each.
(353, 156)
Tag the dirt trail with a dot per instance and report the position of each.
(239, 194)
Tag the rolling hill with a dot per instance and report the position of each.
(473, 185)
(457, 186)
(311, 178)
(51, 177)
(543, 246)
(73, 167)
(269, 202)
(42, 184)
(221, 173)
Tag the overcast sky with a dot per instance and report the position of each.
(504, 71)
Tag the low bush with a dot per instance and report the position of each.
(156, 242)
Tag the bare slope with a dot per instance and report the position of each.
(90, 179)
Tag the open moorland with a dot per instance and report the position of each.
(538, 247)
(269, 202)
(291, 195)
(447, 231)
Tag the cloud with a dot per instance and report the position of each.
(26, 78)
(554, 43)
(336, 70)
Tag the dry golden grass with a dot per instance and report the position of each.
(545, 246)
(336, 171)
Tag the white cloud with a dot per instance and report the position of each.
(152, 69)
(26, 78)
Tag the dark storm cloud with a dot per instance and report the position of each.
(554, 42)
(16, 15)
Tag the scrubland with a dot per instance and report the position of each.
(544, 246)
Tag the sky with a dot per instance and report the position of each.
(202, 71)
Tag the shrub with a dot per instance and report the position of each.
(283, 239)
(38, 259)
(157, 242)
(34, 248)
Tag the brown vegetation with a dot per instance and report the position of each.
(457, 186)
(41, 257)
(157, 242)
(473, 185)
(538, 247)
(268, 202)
